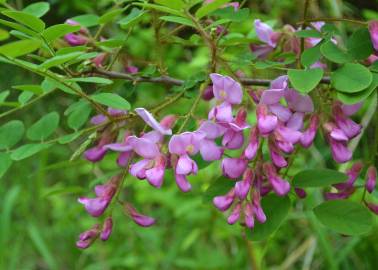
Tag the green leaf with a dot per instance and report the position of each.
(56, 31)
(34, 88)
(87, 20)
(311, 33)
(351, 78)
(344, 217)
(276, 209)
(11, 133)
(98, 80)
(24, 97)
(5, 163)
(69, 138)
(175, 4)
(37, 9)
(229, 14)
(110, 16)
(3, 34)
(310, 56)
(60, 59)
(18, 27)
(318, 178)
(28, 150)
(26, 19)
(208, 8)
(134, 17)
(177, 19)
(19, 48)
(360, 45)
(161, 8)
(334, 54)
(353, 98)
(79, 116)
(218, 187)
(305, 80)
(4, 95)
(44, 127)
(112, 100)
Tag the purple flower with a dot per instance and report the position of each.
(234, 167)
(99, 59)
(301, 193)
(371, 179)
(131, 69)
(151, 121)
(75, 39)
(352, 174)
(226, 89)
(253, 145)
(234, 138)
(257, 209)
(280, 186)
(373, 29)
(349, 110)
(266, 123)
(97, 206)
(308, 135)
(283, 133)
(339, 150)
(277, 159)
(373, 207)
(235, 214)
(298, 102)
(88, 237)
(208, 94)
(248, 215)
(242, 187)
(100, 118)
(276, 91)
(266, 34)
(208, 148)
(347, 125)
(106, 229)
(221, 113)
(224, 202)
(139, 219)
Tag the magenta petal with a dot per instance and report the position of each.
(186, 143)
(338, 135)
(139, 169)
(298, 102)
(142, 220)
(98, 119)
(248, 216)
(348, 126)
(185, 165)
(233, 140)
(222, 113)
(261, 51)
(272, 96)
(264, 32)
(296, 121)
(96, 206)
(151, 121)
(281, 112)
(235, 214)
(371, 179)
(155, 176)
(210, 151)
(257, 209)
(278, 160)
(265, 122)
(224, 202)
(308, 136)
(226, 89)
(340, 151)
(285, 147)
(143, 147)
(107, 229)
(349, 110)
(183, 183)
(212, 130)
(242, 188)
(286, 134)
(95, 154)
(234, 167)
(373, 207)
(123, 159)
(373, 29)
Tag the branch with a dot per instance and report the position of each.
(173, 81)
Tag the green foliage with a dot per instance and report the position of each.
(112, 100)
(305, 80)
(351, 78)
(44, 127)
(19, 48)
(11, 133)
(318, 178)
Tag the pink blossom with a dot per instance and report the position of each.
(373, 29)
(234, 167)
(226, 89)
(371, 179)
(107, 229)
(139, 219)
(88, 237)
(151, 121)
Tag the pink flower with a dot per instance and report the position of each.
(352, 174)
(106, 229)
(151, 121)
(308, 135)
(257, 209)
(88, 237)
(280, 186)
(253, 145)
(266, 122)
(266, 34)
(340, 151)
(235, 214)
(373, 29)
(226, 89)
(234, 167)
(100, 118)
(242, 187)
(139, 219)
(248, 215)
(208, 148)
(371, 179)
(373, 207)
(224, 202)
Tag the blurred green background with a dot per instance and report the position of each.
(40, 218)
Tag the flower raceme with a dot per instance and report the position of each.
(285, 121)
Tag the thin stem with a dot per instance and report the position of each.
(334, 20)
(250, 253)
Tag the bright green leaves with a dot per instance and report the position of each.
(359, 44)
(305, 80)
(110, 16)
(134, 17)
(344, 217)
(60, 59)
(98, 80)
(37, 9)
(56, 31)
(351, 78)
(11, 133)
(26, 19)
(112, 100)
(44, 127)
(276, 209)
(208, 8)
(28, 150)
(334, 54)
(310, 56)
(353, 98)
(318, 178)
(87, 20)
(78, 114)
(3, 34)
(19, 48)
(5, 163)
(174, 4)
(177, 19)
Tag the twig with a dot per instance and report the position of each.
(333, 20)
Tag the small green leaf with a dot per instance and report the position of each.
(79, 116)
(19, 48)
(351, 78)
(110, 16)
(161, 8)
(37, 9)
(34, 88)
(360, 45)
(18, 27)
(24, 97)
(3, 34)
(11, 133)
(318, 178)
(334, 54)
(344, 217)
(5, 163)
(131, 19)
(69, 138)
(175, 4)
(353, 98)
(44, 127)
(305, 80)
(87, 20)
(219, 187)
(98, 80)
(311, 33)
(4, 95)
(28, 150)
(276, 209)
(210, 7)
(56, 31)
(310, 56)
(60, 59)
(26, 19)
(230, 14)
(177, 19)
(112, 100)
